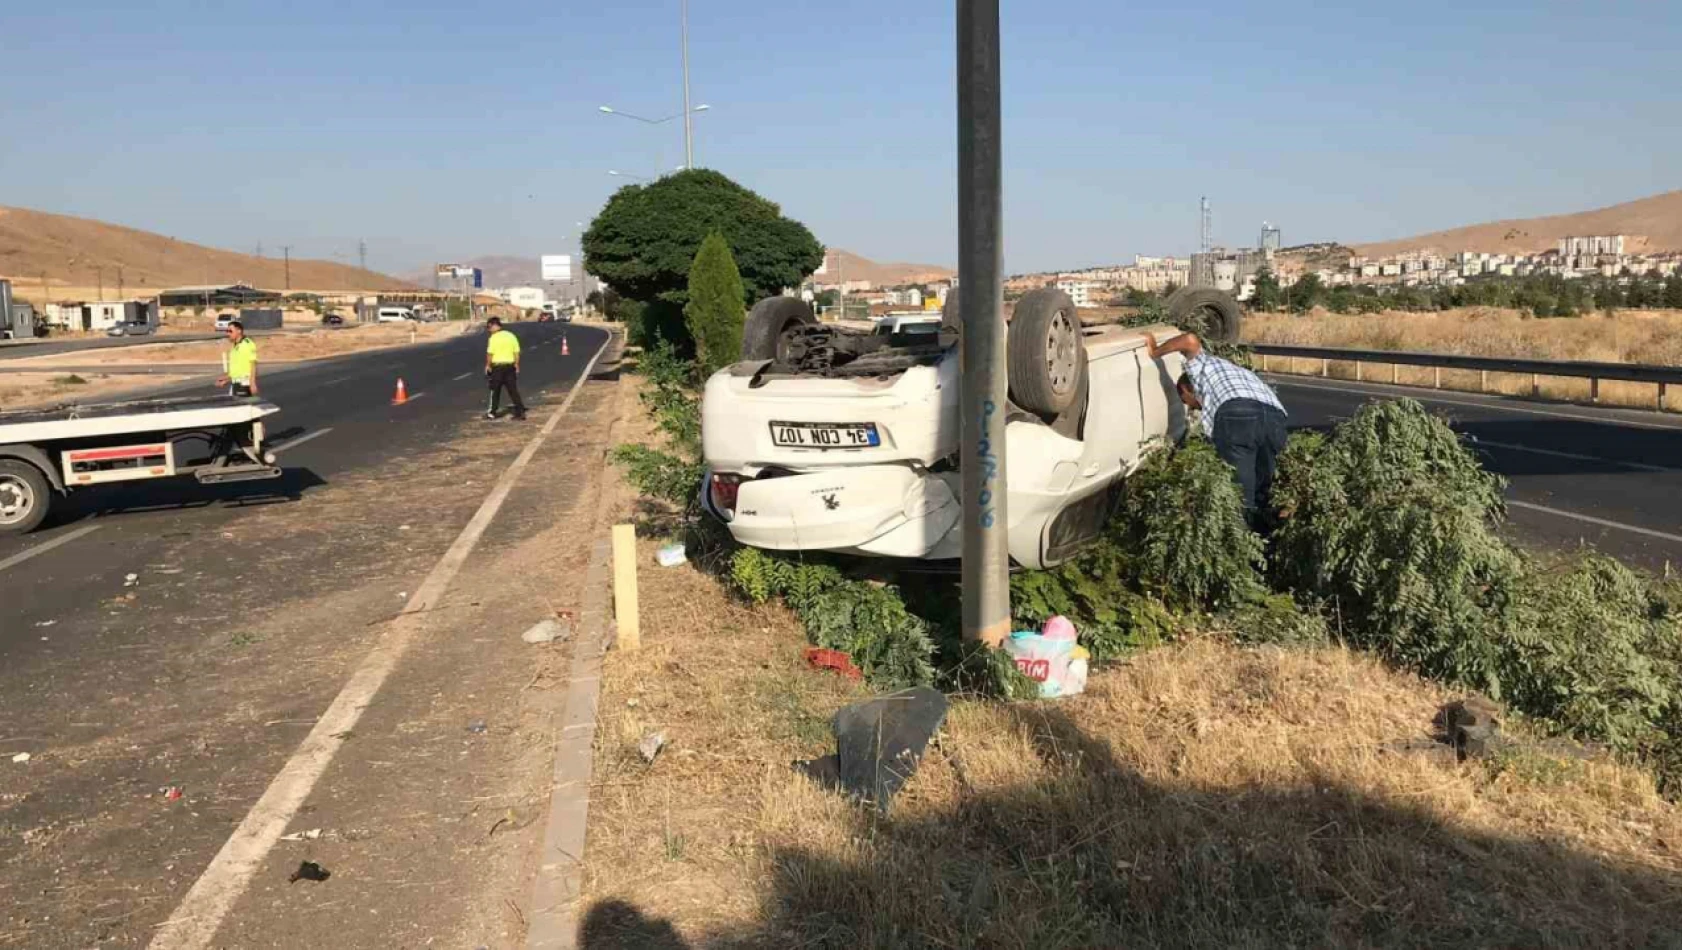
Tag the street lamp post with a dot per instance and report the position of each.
(688, 136)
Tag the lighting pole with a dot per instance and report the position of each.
(580, 269)
(982, 383)
(636, 178)
(688, 135)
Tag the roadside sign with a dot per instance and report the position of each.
(557, 266)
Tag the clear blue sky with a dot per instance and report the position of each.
(440, 130)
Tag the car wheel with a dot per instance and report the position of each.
(24, 496)
(1043, 356)
(1209, 313)
(762, 334)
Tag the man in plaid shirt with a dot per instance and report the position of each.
(1241, 415)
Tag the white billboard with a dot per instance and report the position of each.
(557, 266)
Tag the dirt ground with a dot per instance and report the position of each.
(1199, 795)
(271, 349)
(30, 390)
(1629, 336)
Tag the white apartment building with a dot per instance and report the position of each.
(1080, 291)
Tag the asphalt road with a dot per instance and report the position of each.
(167, 634)
(1607, 478)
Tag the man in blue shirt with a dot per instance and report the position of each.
(1241, 415)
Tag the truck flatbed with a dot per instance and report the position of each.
(44, 452)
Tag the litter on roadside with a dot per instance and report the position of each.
(20, 758)
(477, 726)
(309, 871)
(878, 744)
(651, 745)
(823, 658)
(1050, 658)
(309, 835)
(172, 793)
(547, 631)
(671, 555)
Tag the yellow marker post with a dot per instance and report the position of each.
(625, 587)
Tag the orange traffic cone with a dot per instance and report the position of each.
(402, 393)
(564, 350)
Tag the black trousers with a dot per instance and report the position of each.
(1249, 435)
(505, 376)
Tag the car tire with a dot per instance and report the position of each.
(1211, 314)
(25, 496)
(769, 319)
(1043, 357)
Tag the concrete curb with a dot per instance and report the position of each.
(553, 921)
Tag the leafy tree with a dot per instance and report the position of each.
(1267, 296)
(714, 313)
(605, 301)
(828, 298)
(645, 239)
(1306, 293)
(1673, 291)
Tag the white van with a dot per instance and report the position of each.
(396, 315)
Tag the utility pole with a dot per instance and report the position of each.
(688, 136)
(99, 269)
(287, 248)
(362, 254)
(982, 387)
(119, 282)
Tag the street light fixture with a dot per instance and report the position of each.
(688, 135)
(631, 177)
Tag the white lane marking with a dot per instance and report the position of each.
(46, 546)
(200, 914)
(461, 377)
(412, 398)
(1423, 396)
(1619, 525)
(300, 440)
(336, 379)
(1643, 466)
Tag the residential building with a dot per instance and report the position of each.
(1079, 291)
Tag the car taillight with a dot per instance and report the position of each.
(724, 489)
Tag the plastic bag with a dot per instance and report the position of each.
(1051, 659)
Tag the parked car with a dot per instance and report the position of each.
(132, 329)
(545, 317)
(223, 320)
(914, 323)
(332, 320)
(395, 315)
(822, 439)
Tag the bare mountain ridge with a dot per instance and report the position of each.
(1655, 223)
(71, 252)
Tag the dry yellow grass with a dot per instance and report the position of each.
(273, 348)
(1201, 795)
(1628, 336)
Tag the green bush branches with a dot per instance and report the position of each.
(870, 623)
(673, 402)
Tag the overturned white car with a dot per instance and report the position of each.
(825, 440)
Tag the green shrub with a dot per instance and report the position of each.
(672, 401)
(1391, 522)
(659, 474)
(868, 622)
(1181, 532)
(714, 313)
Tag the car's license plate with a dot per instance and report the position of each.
(825, 435)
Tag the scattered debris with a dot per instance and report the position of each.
(172, 793)
(403, 595)
(672, 555)
(20, 758)
(1472, 726)
(651, 745)
(309, 871)
(129, 580)
(548, 631)
(1050, 658)
(46, 623)
(633, 702)
(823, 658)
(310, 835)
(402, 527)
(879, 743)
(476, 727)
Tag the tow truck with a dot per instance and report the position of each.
(47, 453)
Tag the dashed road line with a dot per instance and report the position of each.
(1604, 523)
(46, 546)
(300, 440)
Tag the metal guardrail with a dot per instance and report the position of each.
(1660, 376)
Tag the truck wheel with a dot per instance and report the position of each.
(25, 496)
(1042, 358)
(1209, 313)
(762, 334)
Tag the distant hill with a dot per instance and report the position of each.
(69, 251)
(845, 265)
(1655, 222)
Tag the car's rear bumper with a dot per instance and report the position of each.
(884, 510)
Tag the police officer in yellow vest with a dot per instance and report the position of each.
(239, 364)
(502, 368)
